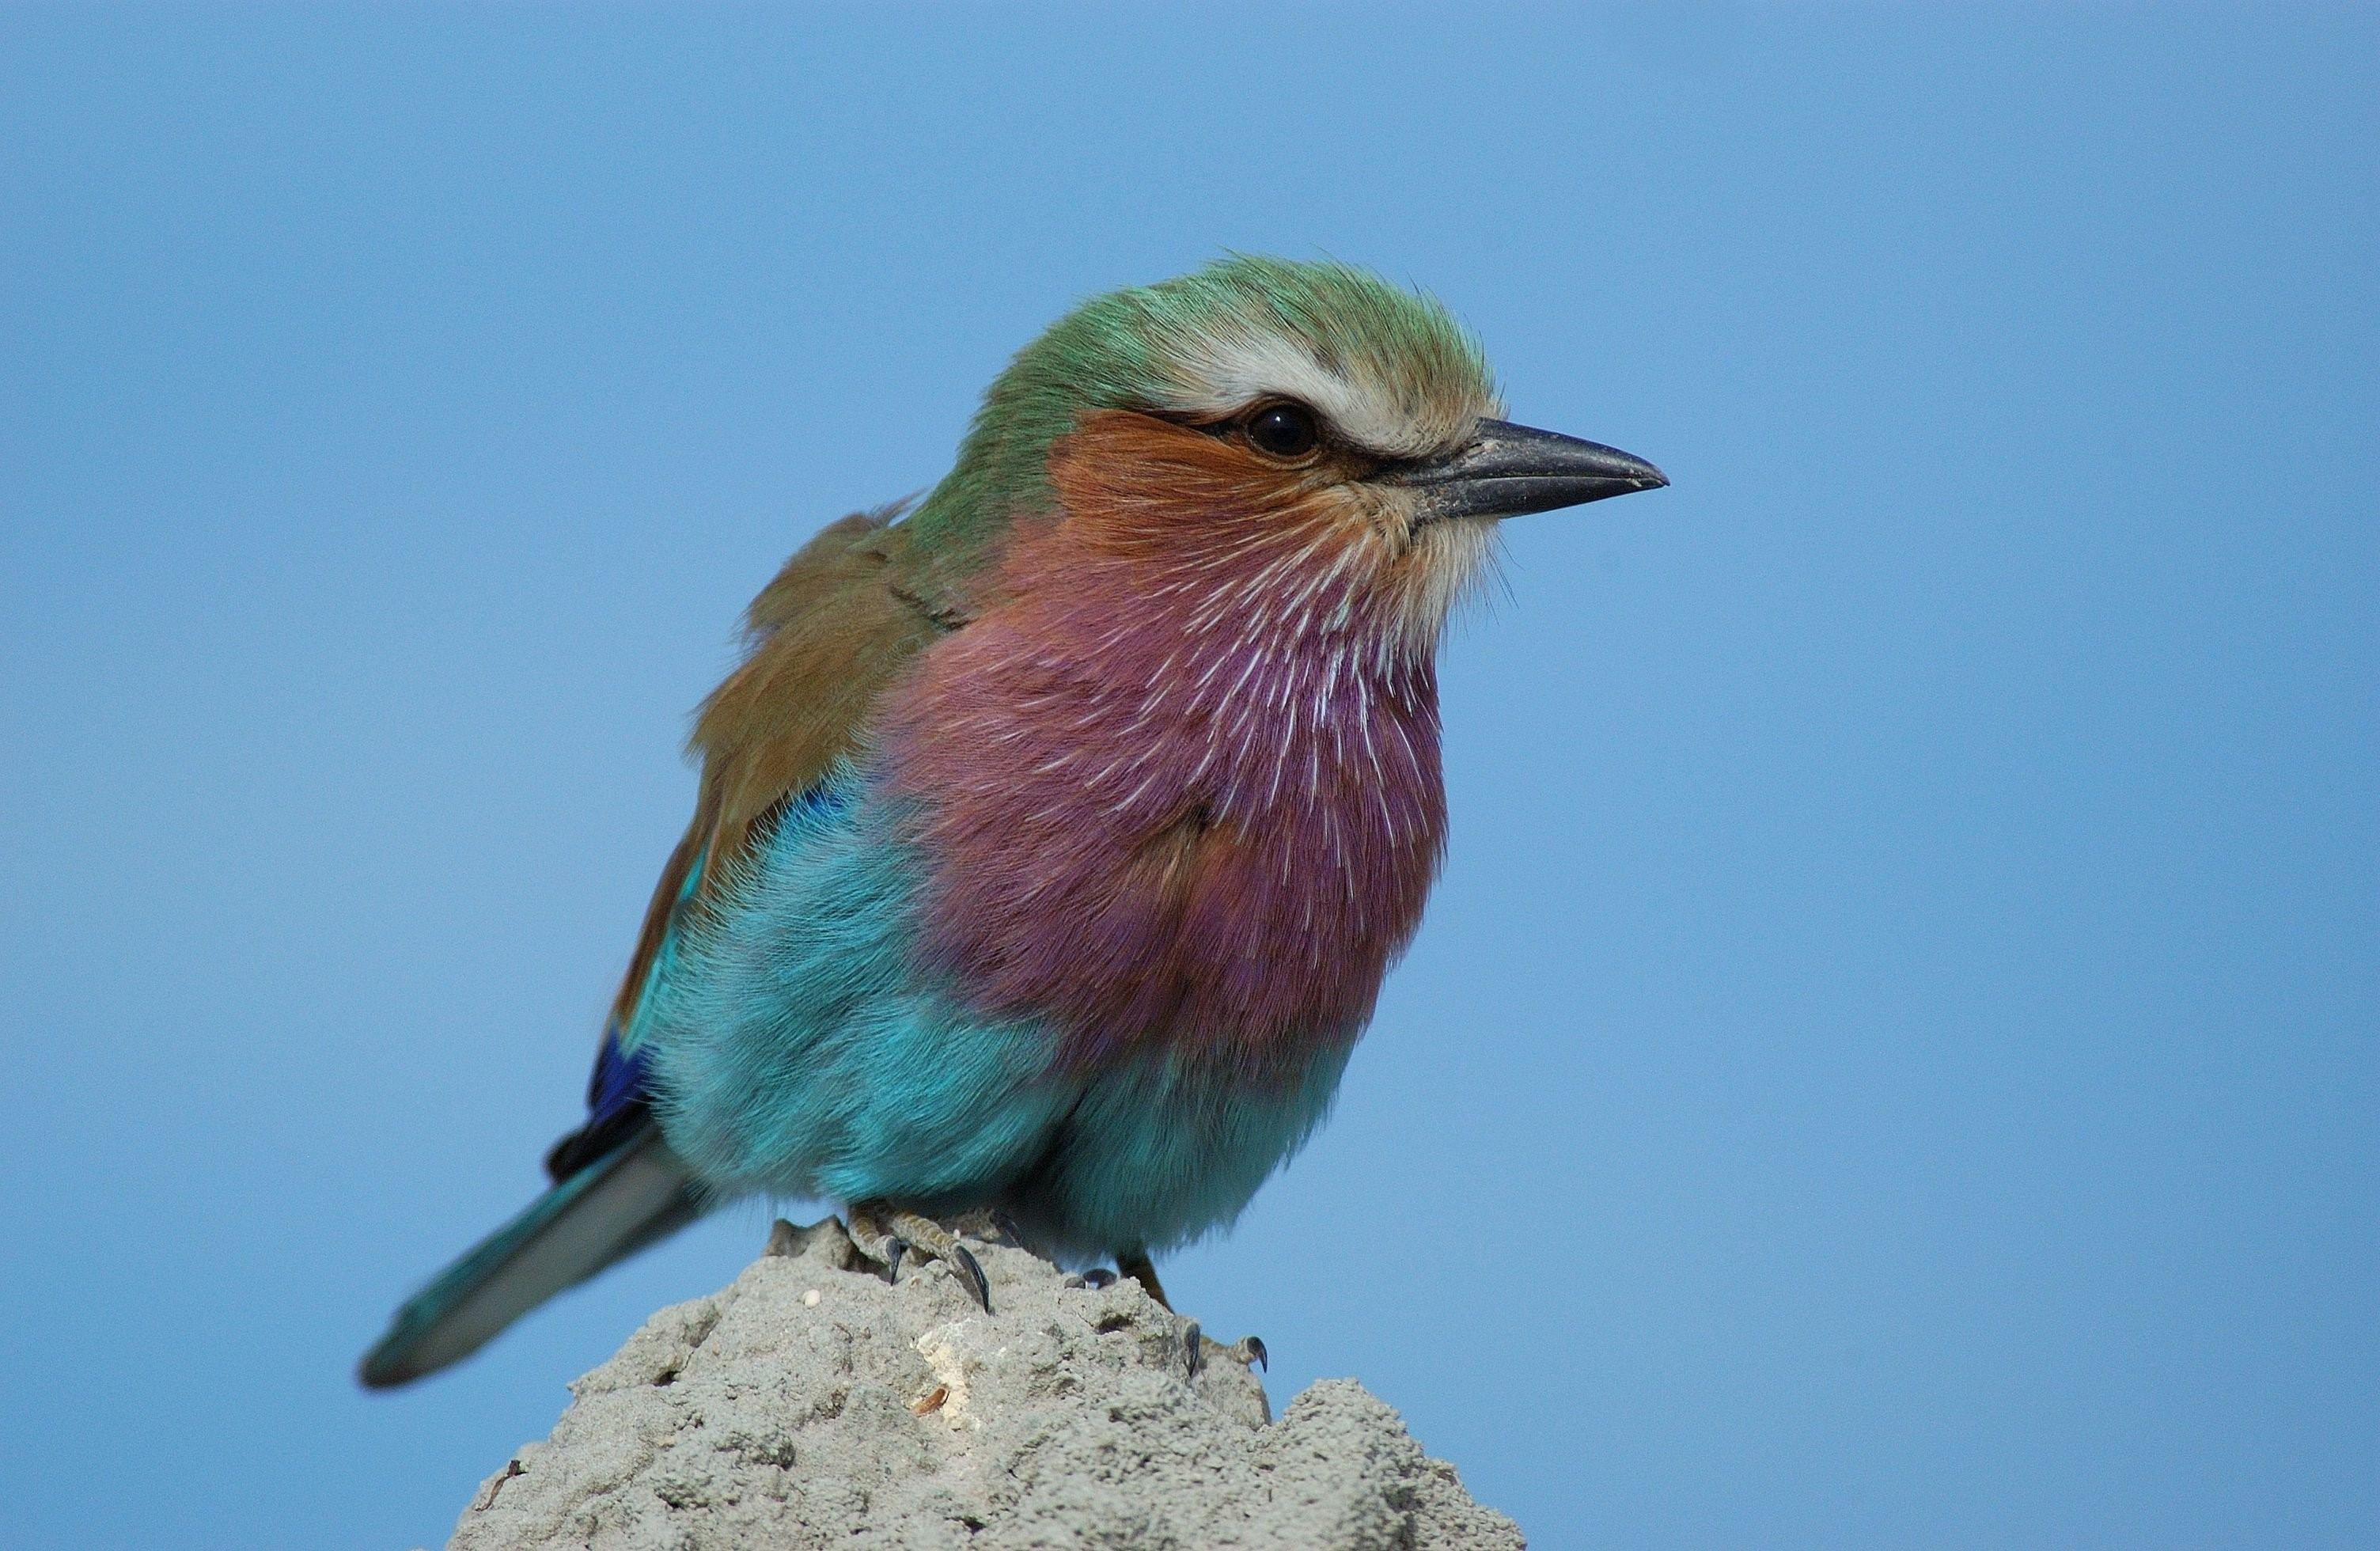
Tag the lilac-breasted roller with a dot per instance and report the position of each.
(1053, 838)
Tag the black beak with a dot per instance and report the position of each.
(1509, 470)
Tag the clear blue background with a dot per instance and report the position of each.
(1892, 1060)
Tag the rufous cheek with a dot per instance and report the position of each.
(1134, 484)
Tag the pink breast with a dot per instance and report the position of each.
(1155, 818)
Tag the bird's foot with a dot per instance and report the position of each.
(1248, 1351)
(887, 1234)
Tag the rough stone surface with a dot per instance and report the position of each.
(809, 1404)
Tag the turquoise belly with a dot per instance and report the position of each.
(795, 1054)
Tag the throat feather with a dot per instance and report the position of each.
(1188, 801)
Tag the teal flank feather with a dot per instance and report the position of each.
(795, 1053)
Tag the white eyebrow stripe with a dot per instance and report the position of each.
(1215, 375)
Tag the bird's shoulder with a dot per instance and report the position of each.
(832, 631)
(828, 635)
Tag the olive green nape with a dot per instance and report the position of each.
(1110, 353)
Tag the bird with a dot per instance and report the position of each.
(1056, 831)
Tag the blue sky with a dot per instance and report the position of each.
(1891, 1061)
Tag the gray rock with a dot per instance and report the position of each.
(809, 1404)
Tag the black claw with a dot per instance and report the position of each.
(963, 1261)
(895, 1248)
(1099, 1276)
(1194, 1349)
(1257, 1352)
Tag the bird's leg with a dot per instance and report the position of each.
(884, 1233)
(1135, 1265)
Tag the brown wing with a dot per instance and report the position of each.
(833, 629)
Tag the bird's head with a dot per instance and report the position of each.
(1259, 409)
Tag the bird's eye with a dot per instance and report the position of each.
(1285, 430)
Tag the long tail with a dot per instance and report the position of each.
(615, 1206)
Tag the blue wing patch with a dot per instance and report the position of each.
(618, 1090)
(616, 1110)
(619, 1080)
